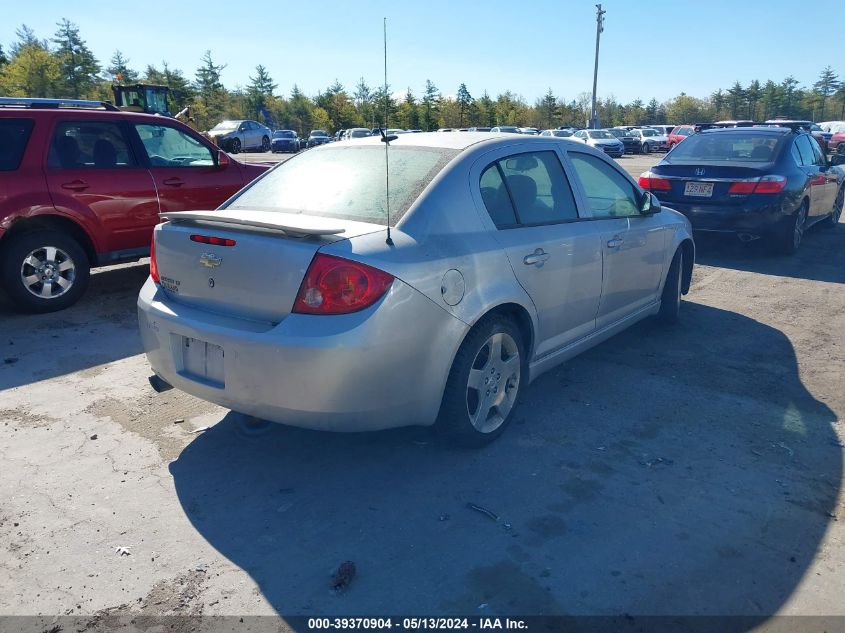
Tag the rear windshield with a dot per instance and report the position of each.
(734, 146)
(14, 134)
(346, 182)
(283, 134)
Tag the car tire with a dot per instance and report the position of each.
(28, 259)
(789, 239)
(670, 299)
(482, 390)
(265, 144)
(646, 148)
(836, 214)
(236, 146)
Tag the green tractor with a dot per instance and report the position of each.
(149, 98)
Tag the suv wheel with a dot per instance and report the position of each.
(236, 146)
(44, 271)
(484, 383)
(265, 144)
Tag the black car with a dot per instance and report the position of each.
(629, 140)
(318, 137)
(751, 182)
(284, 141)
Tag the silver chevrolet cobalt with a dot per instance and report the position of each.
(308, 300)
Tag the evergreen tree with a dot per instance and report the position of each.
(408, 116)
(788, 91)
(31, 72)
(827, 84)
(430, 107)
(486, 111)
(26, 37)
(78, 68)
(736, 96)
(651, 111)
(259, 89)
(120, 66)
(771, 99)
(363, 100)
(464, 100)
(3, 59)
(753, 94)
(207, 82)
(548, 109)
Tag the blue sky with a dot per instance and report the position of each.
(526, 47)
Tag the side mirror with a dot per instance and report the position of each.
(649, 205)
(223, 159)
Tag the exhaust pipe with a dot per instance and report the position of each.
(159, 384)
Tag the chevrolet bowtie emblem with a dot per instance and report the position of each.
(210, 260)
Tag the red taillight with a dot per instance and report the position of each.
(654, 183)
(216, 241)
(333, 285)
(743, 186)
(153, 264)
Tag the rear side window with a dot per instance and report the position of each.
(808, 157)
(14, 135)
(528, 189)
(89, 145)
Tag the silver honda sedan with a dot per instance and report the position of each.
(325, 296)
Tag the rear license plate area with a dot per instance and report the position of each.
(199, 360)
(699, 189)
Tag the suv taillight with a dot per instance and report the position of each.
(334, 285)
(153, 264)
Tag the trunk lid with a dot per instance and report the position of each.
(721, 177)
(255, 278)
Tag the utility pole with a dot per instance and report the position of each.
(594, 115)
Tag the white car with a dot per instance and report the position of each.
(651, 140)
(602, 140)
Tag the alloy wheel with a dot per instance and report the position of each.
(800, 222)
(493, 382)
(48, 272)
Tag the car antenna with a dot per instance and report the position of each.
(386, 140)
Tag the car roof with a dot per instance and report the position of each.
(770, 131)
(84, 113)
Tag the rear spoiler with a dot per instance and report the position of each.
(289, 223)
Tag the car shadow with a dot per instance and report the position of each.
(101, 328)
(821, 256)
(665, 472)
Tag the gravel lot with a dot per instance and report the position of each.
(693, 470)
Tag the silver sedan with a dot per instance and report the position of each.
(313, 298)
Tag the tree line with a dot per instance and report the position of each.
(64, 67)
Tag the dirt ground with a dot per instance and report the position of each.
(690, 470)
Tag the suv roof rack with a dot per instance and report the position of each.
(26, 102)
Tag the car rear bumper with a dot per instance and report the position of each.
(379, 368)
(756, 221)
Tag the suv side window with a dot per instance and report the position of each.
(89, 145)
(14, 135)
(609, 193)
(528, 189)
(168, 147)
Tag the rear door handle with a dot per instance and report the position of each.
(174, 182)
(615, 242)
(537, 258)
(76, 185)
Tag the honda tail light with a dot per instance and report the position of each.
(654, 183)
(743, 186)
(766, 184)
(334, 285)
(153, 264)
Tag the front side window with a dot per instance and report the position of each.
(14, 135)
(609, 193)
(89, 145)
(169, 147)
(528, 189)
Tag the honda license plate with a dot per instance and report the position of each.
(699, 189)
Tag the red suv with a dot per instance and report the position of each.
(82, 184)
(679, 133)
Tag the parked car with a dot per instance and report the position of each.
(602, 140)
(395, 130)
(357, 132)
(284, 141)
(318, 137)
(751, 182)
(664, 129)
(510, 129)
(821, 136)
(237, 136)
(480, 129)
(836, 140)
(82, 186)
(679, 133)
(630, 142)
(488, 261)
(446, 129)
(339, 135)
(558, 133)
(651, 140)
(531, 131)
